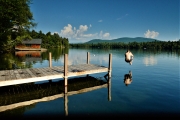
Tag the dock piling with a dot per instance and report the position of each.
(88, 57)
(50, 61)
(109, 76)
(65, 70)
(110, 64)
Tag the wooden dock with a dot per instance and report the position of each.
(28, 75)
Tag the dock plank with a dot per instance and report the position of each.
(30, 73)
(36, 72)
(16, 73)
(27, 75)
(12, 75)
(2, 75)
(7, 75)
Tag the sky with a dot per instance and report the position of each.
(84, 20)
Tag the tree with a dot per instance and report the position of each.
(16, 18)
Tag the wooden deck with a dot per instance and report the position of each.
(28, 75)
(20, 76)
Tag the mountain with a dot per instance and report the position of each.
(124, 40)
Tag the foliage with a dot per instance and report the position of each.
(16, 18)
(50, 40)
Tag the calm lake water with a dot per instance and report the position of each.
(155, 86)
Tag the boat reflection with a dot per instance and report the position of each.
(128, 78)
(28, 95)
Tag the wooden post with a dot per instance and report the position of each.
(65, 70)
(110, 64)
(88, 57)
(50, 61)
(109, 76)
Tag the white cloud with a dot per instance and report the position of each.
(71, 32)
(104, 35)
(77, 34)
(151, 34)
(67, 31)
(100, 20)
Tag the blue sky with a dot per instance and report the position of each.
(84, 20)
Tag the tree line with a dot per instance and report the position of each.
(50, 40)
(131, 45)
(16, 22)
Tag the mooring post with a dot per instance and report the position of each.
(109, 77)
(65, 71)
(50, 63)
(110, 64)
(88, 57)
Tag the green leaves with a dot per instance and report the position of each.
(16, 18)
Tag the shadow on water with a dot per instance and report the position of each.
(16, 99)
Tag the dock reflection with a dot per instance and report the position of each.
(15, 96)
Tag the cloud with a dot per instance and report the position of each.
(104, 35)
(122, 17)
(78, 34)
(151, 34)
(71, 32)
(67, 31)
(100, 20)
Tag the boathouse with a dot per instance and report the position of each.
(34, 44)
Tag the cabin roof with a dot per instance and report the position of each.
(33, 41)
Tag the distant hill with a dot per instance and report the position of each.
(124, 40)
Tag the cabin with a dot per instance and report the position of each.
(34, 44)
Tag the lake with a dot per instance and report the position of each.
(154, 89)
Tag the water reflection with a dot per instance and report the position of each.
(128, 78)
(27, 58)
(25, 96)
(149, 60)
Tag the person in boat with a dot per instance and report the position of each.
(129, 57)
(128, 78)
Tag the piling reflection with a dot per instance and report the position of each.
(128, 78)
(15, 96)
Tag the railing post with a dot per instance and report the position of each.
(65, 72)
(88, 57)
